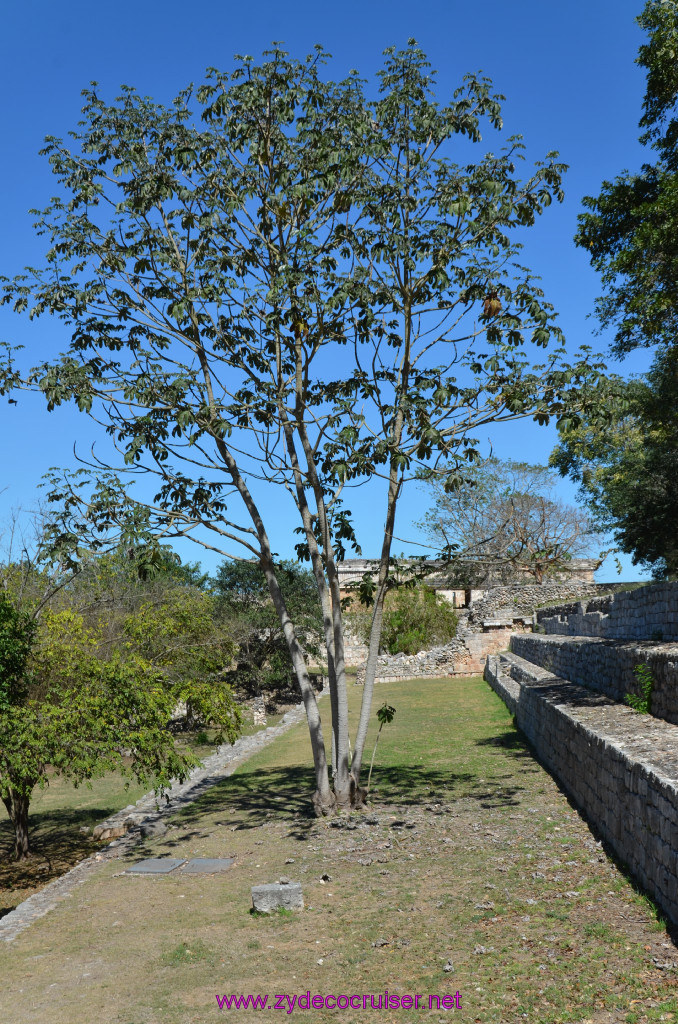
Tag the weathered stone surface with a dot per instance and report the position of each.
(620, 767)
(277, 896)
(647, 613)
(607, 666)
(207, 865)
(156, 866)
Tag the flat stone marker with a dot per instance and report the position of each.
(267, 898)
(207, 865)
(155, 866)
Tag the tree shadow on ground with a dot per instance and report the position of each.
(249, 799)
(513, 743)
(57, 844)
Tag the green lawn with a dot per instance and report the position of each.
(471, 858)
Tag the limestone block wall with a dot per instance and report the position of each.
(464, 655)
(620, 767)
(607, 665)
(521, 599)
(644, 614)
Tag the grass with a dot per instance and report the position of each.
(62, 818)
(60, 823)
(470, 854)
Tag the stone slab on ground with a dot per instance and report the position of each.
(156, 866)
(277, 896)
(207, 865)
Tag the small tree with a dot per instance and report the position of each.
(303, 287)
(66, 709)
(503, 518)
(385, 716)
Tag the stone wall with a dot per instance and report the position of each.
(483, 629)
(647, 613)
(607, 666)
(355, 649)
(620, 767)
(519, 601)
(464, 655)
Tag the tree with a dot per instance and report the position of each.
(68, 709)
(95, 662)
(626, 461)
(631, 230)
(301, 288)
(503, 519)
(624, 454)
(244, 604)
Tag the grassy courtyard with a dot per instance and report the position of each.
(471, 873)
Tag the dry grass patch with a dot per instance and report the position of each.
(470, 859)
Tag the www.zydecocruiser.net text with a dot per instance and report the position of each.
(383, 1001)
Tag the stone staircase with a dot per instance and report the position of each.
(567, 693)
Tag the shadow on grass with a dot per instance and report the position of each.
(248, 799)
(512, 741)
(57, 844)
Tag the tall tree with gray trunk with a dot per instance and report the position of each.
(301, 287)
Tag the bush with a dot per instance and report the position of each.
(415, 619)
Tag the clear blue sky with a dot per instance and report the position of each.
(567, 71)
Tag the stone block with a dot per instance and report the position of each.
(155, 866)
(207, 865)
(277, 896)
(104, 831)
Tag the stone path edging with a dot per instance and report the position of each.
(214, 768)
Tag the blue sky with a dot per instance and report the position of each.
(567, 71)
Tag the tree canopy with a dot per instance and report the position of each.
(631, 228)
(279, 280)
(93, 668)
(626, 460)
(624, 453)
(506, 519)
(244, 604)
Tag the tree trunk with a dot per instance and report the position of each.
(17, 808)
(323, 798)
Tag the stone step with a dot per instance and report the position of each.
(620, 767)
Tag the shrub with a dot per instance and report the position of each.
(415, 619)
(645, 679)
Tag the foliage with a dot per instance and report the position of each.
(385, 714)
(631, 230)
(244, 606)
(504, 517)
(643, 702)
(415, 619)
(303, 287)
(87, 691)
(625, 458)
(17, 633)
(624, 454)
